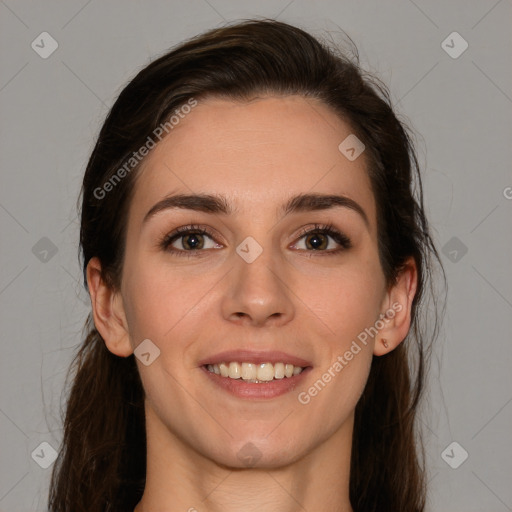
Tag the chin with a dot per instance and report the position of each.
(250, 457)
(251, 451)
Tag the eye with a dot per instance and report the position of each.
(317, 239)
(186, 240)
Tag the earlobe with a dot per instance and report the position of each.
(108, 312)
(397, 310)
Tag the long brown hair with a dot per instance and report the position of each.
(102, 462)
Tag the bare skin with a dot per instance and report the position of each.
(306, 301)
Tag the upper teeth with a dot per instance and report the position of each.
(255, 372)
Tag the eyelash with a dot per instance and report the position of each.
(326, 229)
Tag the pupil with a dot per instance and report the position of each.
(316, 241)
(192, 245)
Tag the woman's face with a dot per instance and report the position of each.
(254, 283)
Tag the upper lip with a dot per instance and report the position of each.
(255, 357)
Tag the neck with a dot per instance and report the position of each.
(179, 479)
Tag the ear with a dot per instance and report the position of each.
(396, 309)
(108, 311)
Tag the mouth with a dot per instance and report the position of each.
(255, 375)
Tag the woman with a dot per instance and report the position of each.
(257, 254)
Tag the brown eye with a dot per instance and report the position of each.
(188, 240)
(192, 241)
(319, 239)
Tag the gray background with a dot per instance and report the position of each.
(51, 110)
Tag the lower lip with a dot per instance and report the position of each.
(262, 390)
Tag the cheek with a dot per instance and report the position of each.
(350, 307)
(153, 303)
(168, 307)
(346, 300)
(334, 392)
(147, 306)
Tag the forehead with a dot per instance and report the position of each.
(256, 153)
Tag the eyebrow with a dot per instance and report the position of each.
(216, 204)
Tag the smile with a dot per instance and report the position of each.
(255, 373)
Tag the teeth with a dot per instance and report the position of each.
(251, 372)
(224, 371)
(279, 371)
(265, 372)
(248, 371)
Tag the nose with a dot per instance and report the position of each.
(257, 293)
